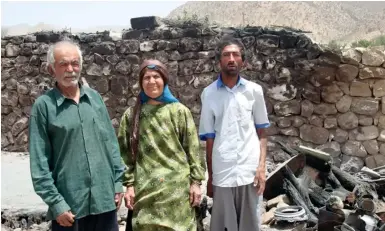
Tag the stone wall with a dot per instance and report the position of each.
(315, 97)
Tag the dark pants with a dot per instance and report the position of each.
(100, 222)
(129, 220)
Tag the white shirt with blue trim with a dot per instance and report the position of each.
(231, 117)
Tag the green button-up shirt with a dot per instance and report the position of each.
(74, 154)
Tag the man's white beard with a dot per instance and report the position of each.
(72, 82)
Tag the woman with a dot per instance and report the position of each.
(160, 146)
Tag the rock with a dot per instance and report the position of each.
(329, 58)
(19, 126)
(210, 43)
(9, 98)
(332, 93)
(379, 88)
(351, 56)
(167, 45)
(382, 149)
(12, 50)
(272, 130)
(360, 89)
(267, 41)
(26, 49)
(287, 41)
(313, 134)
(112, 59)
(119, 85)
(289, 131)
(98, 59)
(375, 161)
(364, 133)
(175, 56)
(316, 121)
(104, 48)
(248, 41)
(347, 73)
(365, 120)
(381, 137)
(287, 108)
(276, 200)
(298, 121)
(371, 146)
(190, 44)
(204, 66)
(340, 135)
(344, 87)
(330, 122)
(351, 164)
(325, 109)
(307, 108)
(280, 156)
(129, 47)
(323, 76)
(21, 60)
(147, 46)
(268, 217)
(353, 148)
(11, 84)
(372, 72)
(282, 92)
(347, 120)
(25, 100)
(34, 61)
(284, 122)
(364, 106)
(123, 67)
(206, 54)
(333, 148)
(187, 67)
(311, 93)
(379, 120)
(373, 57)
(343, 105)
(147, 22)
(94, 70)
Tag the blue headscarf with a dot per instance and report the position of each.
(166, 96)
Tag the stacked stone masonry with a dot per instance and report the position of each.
(330, 101)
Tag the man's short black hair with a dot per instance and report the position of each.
(226, 41)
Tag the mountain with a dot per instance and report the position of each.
(327, 20)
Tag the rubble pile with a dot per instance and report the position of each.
(308, 192)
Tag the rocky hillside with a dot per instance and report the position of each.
(343, 21)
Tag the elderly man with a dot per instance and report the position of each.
(232, 123)
(75, 161)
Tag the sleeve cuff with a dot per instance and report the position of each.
(266, 125)
(59, 208)
(119, 187)
(206, 136)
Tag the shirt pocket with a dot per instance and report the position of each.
(100, 129)
(245, 113)
(227, 149)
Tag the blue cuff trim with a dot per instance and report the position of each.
(266, 125)
(204, 137)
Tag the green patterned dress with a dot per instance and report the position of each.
(168, 160)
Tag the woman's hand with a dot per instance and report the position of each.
(195, 194)
(129, 197)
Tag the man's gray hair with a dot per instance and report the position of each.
(51, 51)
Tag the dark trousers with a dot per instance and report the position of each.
(100, 222)
(129, 220)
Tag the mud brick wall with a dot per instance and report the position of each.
(319, 98)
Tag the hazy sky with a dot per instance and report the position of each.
(81, 14)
